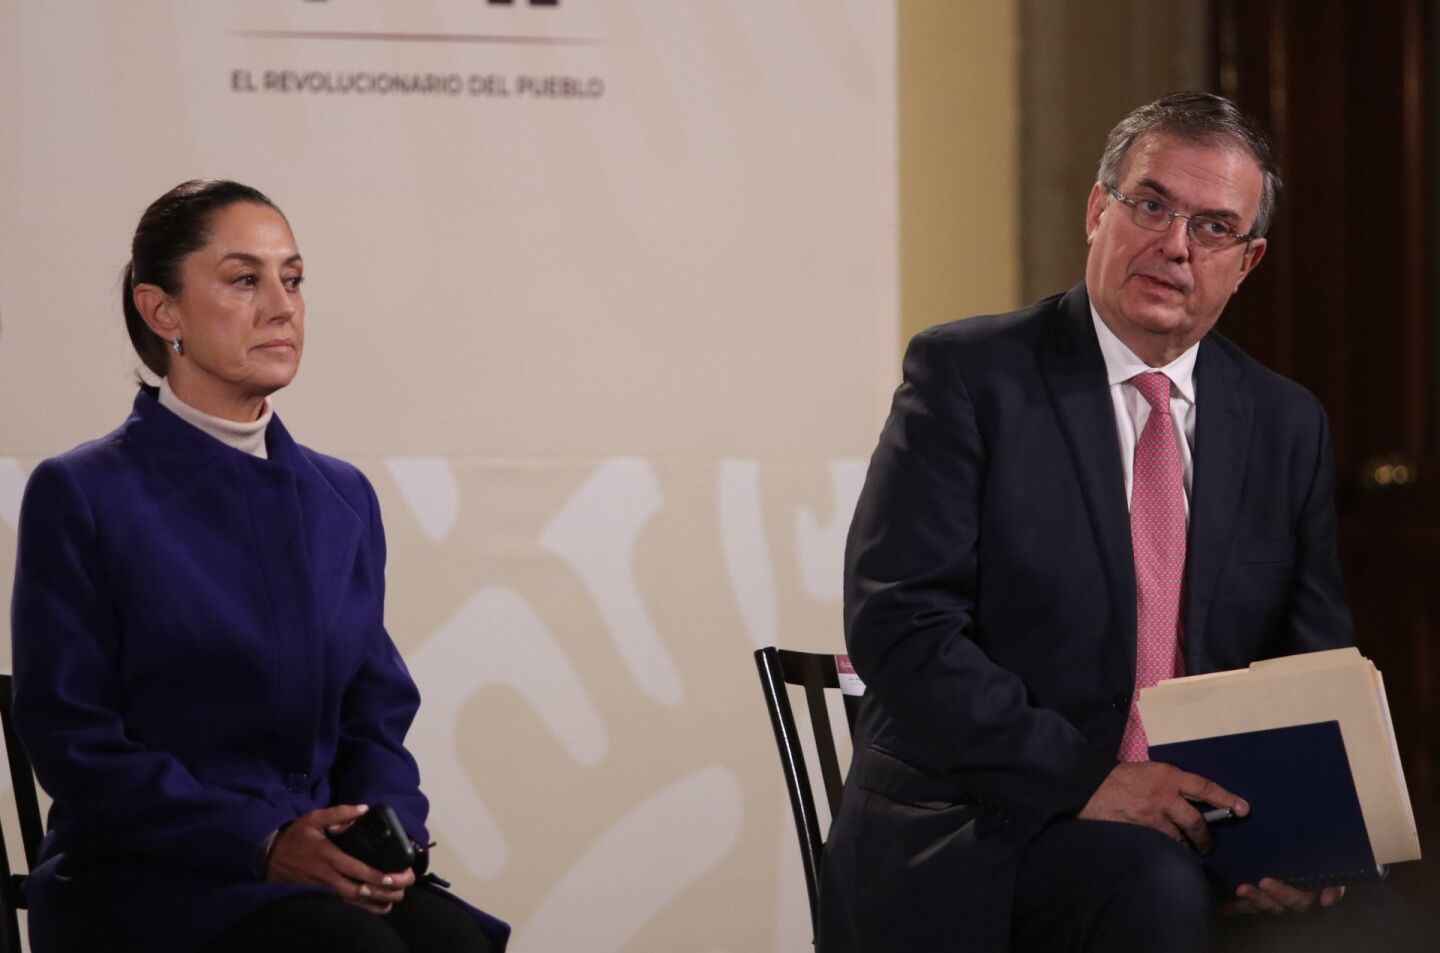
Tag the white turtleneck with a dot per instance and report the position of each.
(247, 438)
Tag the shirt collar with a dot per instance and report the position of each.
(1121, 364)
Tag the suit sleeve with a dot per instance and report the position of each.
(1317, 616)
(68, 650)
(378, 706)
(910, 588)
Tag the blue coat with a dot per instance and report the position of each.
(199, 657)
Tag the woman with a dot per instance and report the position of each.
(202, 676)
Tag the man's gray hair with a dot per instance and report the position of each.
(1197, 118)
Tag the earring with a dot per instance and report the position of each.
(177, 347)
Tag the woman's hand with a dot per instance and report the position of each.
(302, 854)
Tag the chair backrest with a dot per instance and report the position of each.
(815, 673)
(27, 809)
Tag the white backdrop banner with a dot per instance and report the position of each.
(602, 296)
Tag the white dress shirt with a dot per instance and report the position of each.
(1132, 410)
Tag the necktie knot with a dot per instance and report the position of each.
(1155, 388)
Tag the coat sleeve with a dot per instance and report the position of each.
(910, 588)
(68, 653)
(371, 764)
(1316, 616)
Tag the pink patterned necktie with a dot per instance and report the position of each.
(1157, 535)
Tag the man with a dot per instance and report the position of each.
(1049, 525)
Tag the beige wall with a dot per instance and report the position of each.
(1004, 107)
(1083, 65)
(959, 160)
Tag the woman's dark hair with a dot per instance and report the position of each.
(175, 224)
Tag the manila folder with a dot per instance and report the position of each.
(1338, 685)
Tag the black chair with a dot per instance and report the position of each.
(27, 809)
(815, 673)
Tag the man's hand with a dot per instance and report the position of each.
(1159, 796)
(302, 854)
(1272, 896)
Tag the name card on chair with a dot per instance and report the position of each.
(850, 683)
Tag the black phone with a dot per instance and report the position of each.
(378, 839)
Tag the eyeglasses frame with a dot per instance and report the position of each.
(1244, 239)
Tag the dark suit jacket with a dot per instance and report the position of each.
(199, 657)
(990, 604)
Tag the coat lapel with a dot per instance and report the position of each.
(1074, 371)
(308, 537)
(1224, 415)
(173, 450)
(304, 535)
(331, 528)
(287, 492)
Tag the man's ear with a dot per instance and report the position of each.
(1253, 253)
(1099, 195)
(158, 310)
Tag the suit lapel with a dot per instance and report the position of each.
(1074, 371)
(1224, 415)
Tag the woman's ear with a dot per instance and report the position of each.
(158, 310)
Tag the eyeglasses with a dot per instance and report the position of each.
(1204, 230)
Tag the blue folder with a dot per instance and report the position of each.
(1304, 826)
